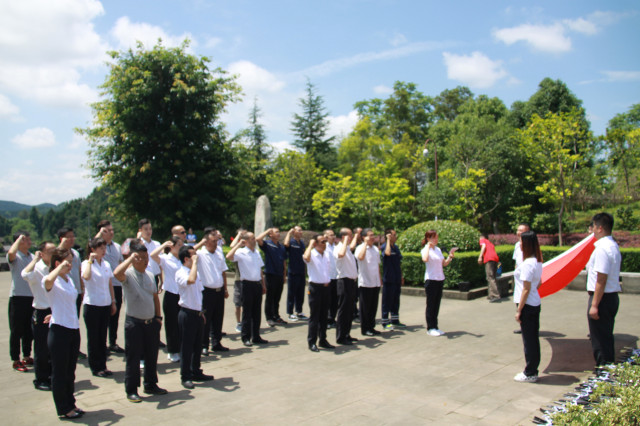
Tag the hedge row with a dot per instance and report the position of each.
(464, 266)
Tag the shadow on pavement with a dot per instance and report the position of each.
(171, 399)
(458, 334)
(84, 385)
(100, 417)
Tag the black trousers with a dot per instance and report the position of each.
(601, 330)
(96, 319)
(20, 313)
(391, 301)
(213, 307)
(64, 345)
(79, 302)
(141, 339)
(191, 327)
(433, 289)
(171, 308)
(274, 283)
(530, 326)
(251, 309)
(41, 361)
(295, 293)
(114, 319)
(368, 307)
(333, 301)
(346, 289)
(319, 311)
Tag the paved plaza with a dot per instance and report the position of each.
(401, 377)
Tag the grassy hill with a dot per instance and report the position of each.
(10, 209)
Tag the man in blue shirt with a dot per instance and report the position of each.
(392, 281)
(275, 265)
(296, 274)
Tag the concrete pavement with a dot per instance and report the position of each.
(400, 377)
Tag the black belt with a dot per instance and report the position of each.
(611, 292)
(191, 311)
(139, 321)
(324, 285)
(252, 282)
(217, 289)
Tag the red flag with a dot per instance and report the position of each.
(558, 272)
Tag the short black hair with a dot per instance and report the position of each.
(525, 224)
(605, 220)
(43, 245)
(365, 231)
(344, 231)
(102, 224)
(137, 246)
(184, 254)
(64, 231)
(17, 234)
(142, 222)
(388, 231)
(208, 231)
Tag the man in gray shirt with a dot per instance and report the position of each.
(142, 323)
(20, 301)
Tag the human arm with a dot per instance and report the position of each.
(449, 258)
(86, 267)
(236, 240)
(287, 237)
(343, 247)
(307, 253)
(231, 255)
(264, 285)
(601, 282)
(387, 247)
(526, 289)
(426, 252)
(13, 251)
(193, 273)
(158, 309)
(119, 272)
(361, 251)
(260, 238)
(155, 255)
(483, 248)
(201, 243)
(26, 272)
(113, 298)
(63, 267)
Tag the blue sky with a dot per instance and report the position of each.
(52, 60)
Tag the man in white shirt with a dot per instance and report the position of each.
(318, 263)
(253, 287)
(517, 255)
(603, 286)
(333, 274)
(145, 231)
(190, 318)
(211, 269)
(369, 282)
(347, 285)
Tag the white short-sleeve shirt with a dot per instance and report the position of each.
(369, 267)
(209, 268)
(319, 267)
(190, 294)
(250, 263)
(97, 288)
(433, 266)
(34, 278)
(62, 298)
(605, 259)
(170, 265)
(345, 265)
(529, 270)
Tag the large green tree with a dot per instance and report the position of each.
(157, 140)
(623, 145)
(310, 129)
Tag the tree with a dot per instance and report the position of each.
(310, 129)
(293, 179)
(623, 144)
(256, 134)
(36, 219)
(157, 140)
(332, 202)
(448, 102)
(554, 146)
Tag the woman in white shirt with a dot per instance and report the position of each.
(99, 305)
(433, 279)
(170, 264)
(527, 279)
(64, 333)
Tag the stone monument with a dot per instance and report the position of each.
(262, 219)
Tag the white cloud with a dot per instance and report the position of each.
(282, 146)
(128, 34)
(39, 137)
(43, 44)
(77, 141)
(382, 90)
(581, 25)
(254, 79)
(35, 186)
(614, 76)
(7, 109)
(335, 65)
(212, 42)
(546, 38)
(476, 70)
(342, 125)
(398, 39)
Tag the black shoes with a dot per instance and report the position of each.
(313, 348)
(368, 333)
(188, 384)
(134, 397)
(75, 415)
(154, 390)
(353, 339)
(43, 386)
(202, 377)
(518, 331)
(260, 341)
(116, 349)
(247, 343)
(344, 342)
(220, 348)
(326, 345)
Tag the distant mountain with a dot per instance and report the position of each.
(9, 209)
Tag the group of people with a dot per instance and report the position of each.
(344, 282)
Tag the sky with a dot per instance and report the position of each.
(53, 57)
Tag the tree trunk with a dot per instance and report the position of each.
(560, 220)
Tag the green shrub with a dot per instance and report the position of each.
(630, 259)
(450, 234)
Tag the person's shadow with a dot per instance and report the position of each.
(103, 417)
(457, 334)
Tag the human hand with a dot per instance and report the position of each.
(593, 313)
(113, 308)
(518, 318)
(38, 255)
(92, 257)
(139, 235)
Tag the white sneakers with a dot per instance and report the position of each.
(521, 377)
(174, 357)
(239, 327)
(435, 332)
